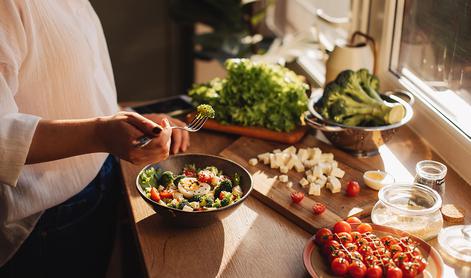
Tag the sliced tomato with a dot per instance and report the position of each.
(323, 236)
(297, 197)
(154, 194)
(318, 208)
(166, 195)
(342, 226)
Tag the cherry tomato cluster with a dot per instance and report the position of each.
(360, 253)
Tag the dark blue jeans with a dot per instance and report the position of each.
(75, 238)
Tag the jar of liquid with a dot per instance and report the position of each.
(432, 174)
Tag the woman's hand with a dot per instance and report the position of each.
(119, 133)
(180, 138)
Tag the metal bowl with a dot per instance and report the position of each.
(182, 218)
(359, 140)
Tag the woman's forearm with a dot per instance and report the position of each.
(56, 139)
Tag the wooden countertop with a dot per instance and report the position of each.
(256, 241)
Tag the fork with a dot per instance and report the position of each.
(195, 125)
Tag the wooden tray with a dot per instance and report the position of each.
(255, 132)
(277, 195)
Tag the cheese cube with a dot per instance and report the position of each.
(314, 189)
(303, 182)
(311, 178)
(321, 180)
(262, 156)
(333, 184)
(284, 169)
(266, 160)
(281, 158)
(303, 154)
(290, 149)
(325, 167)
(334, 164)
(283, 178)
(337, 172)
(327, 157)
(273, 162)
(289, 184)
(187, 208)
(316, 155)
(309, 163)
(276, 151)
(308, 172)
(291, 161)
(299, 166)
(253, 161)
(317, 171)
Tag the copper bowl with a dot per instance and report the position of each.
(175, 163)
(359, 140)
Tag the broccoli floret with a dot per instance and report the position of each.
(205, 110)
(224, 202)
(166, 178)
(177, 179)
(182, 204)
(149, 177)
(225, 185)
(195, 198)
(206, 201)
(352, 99)
(217, 203)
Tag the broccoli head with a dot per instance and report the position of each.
(225, 185)
(352, 99)
(205, 110)
(166, 178)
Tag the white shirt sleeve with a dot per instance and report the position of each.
(16, 129)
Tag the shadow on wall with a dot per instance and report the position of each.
(151, 55)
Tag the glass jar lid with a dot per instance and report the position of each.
(456, 241)
(410, 199)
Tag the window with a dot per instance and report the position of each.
(432, 50)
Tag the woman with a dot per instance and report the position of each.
(58, 123)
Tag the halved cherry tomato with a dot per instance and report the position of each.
(323, 236)
(344, 237)
(318, 208)
(374, 271)
(357, 269)
(154, 194)
(353, 220)
(297, 197)
(342, 226)
(394, 272)
(339, 266)
(166, 195)
(353, 188)
(364, 228)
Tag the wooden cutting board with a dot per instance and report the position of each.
(277, 195)
(255, 132)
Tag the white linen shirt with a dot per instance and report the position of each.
(54, 64)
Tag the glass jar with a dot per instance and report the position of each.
(413, 208)
(432, 174)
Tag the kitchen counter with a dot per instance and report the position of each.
(256, 241)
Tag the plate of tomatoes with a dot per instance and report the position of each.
(357, 250)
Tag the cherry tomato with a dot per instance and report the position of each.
(409, 270)
(400, 258)
(323, 236)
(351, 247)
(189, 172)
(344, 237)
(355, 236)
(374, 271)
(330, 246)
(353, 220)
(154, 194)
(395, 248)
(371, 259)
(421, 264)
(342, 226)
(364, 228)
(363, 241)
(365, 250)
(356, 256)
(297, 197)
(388, 241)
(204, 176)
(415, 251)
(406, 240)
(339, 266)
(337, 254)
(394, 272)
(318, 208)
(357, 269)
(166, 195)
(353, 188)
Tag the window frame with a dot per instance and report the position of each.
(452, 145)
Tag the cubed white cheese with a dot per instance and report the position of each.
(314, 189)
(273, 162)
(299, 166)
(266, 160)
(316, 156)
(289, 184)
(308, 172)
(321, 180)
(253, 161)
(333, 184)
(337, 172)
(262, 156)
(334, 164)
(311, 178)
(283, 178)
(276, 151)
(303, 154)
(284, 169)
(327, 157)
(303, 182)
(290, 149)
(281, 158)
(291, 161)
(187, 208)
(325, 167)
(317, 171)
